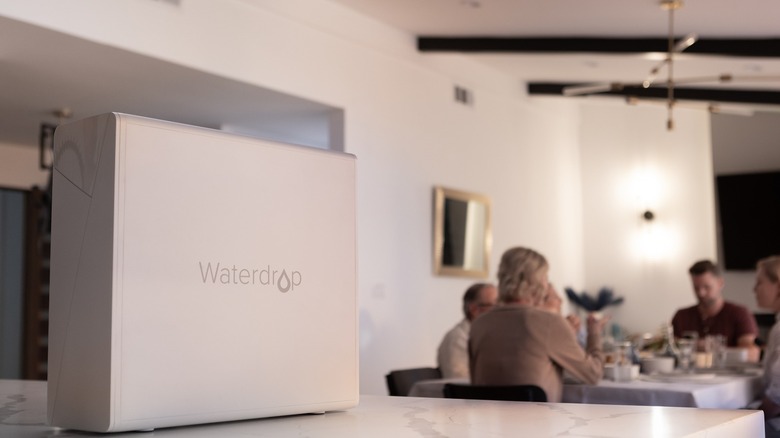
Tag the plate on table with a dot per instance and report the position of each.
(747, 369)
(678, 376)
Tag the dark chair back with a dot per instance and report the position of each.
(508, 392)
(764, 321)
(399, 382)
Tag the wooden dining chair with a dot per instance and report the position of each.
(399, 382)
(504, 393)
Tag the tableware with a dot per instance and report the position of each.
(718, 351)
(621, 373)
(736, 355)
(703, 359)
(692, 335)
(657, 364)
(745, 369)
(687, 347)
(677, 376)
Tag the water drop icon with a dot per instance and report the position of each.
(284, 282)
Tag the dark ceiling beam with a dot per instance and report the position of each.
(754, 47)
(680, 93)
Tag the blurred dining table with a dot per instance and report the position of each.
(712, 390)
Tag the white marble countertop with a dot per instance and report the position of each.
(23, 415)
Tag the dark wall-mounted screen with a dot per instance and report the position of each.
(749, 208)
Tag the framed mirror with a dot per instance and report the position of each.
(461, 233)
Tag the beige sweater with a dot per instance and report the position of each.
(517, 345)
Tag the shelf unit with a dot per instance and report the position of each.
(36, 288)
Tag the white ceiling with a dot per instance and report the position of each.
(722, 18)
(592, 18)
(42, 70)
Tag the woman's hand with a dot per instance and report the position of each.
(596, 323)
(574, 322)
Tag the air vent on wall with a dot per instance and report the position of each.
(463, 96)
(170, 2)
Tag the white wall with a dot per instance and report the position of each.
(409, 135)
(19, 167)
(632, 163)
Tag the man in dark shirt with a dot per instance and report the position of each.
(713, 315)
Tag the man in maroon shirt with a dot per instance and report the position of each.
(713, 315)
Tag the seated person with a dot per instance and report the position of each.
(713, 315)
(519, 342)
(453, 356)
(767, 290)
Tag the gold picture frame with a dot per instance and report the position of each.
(462, 234)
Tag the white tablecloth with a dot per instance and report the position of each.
(719, 392)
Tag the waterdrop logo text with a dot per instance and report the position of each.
(217, 273)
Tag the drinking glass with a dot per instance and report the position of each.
(623, 362)
(705, 354)
(718, 351)
(686, 347)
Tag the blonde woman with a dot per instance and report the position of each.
(767, 290)
(520, 342)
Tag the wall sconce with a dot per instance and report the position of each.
(655, 240)
(652, 238)
(46, 145)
